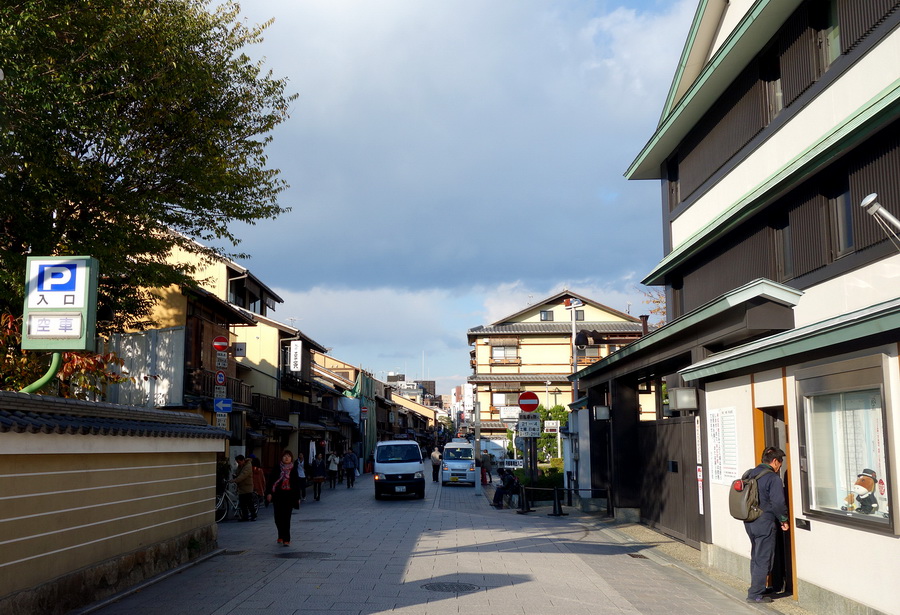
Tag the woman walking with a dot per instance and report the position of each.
(317, 472)
(333, 463)
(284, 494)
(302, 472)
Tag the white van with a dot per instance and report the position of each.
(458, 465)
(399, 469)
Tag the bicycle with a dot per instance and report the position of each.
(228, 499)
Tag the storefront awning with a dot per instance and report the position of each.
(873, 321)
(310, 427)
(279, 424)
(255, 435)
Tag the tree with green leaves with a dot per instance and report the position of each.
(129, 127)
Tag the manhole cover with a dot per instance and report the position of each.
(450, 588)
(305, 555)
(637, 556)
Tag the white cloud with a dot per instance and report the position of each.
(452, 160)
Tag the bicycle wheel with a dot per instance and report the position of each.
(254, 504)
(221, 507)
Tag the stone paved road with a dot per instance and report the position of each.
(448, 553)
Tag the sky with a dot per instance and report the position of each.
(452, 162)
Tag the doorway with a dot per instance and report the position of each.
(775, 433)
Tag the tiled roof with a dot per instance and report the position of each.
(561, 328)
(24, 413)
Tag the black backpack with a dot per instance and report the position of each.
(743, 497)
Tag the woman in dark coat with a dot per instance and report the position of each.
(284, 493)
(318, 470)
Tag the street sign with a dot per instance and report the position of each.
(60, 303)
(220, 343)
(509, 414)
(551, 426)
(221, 359)
(530, 428)
(222, 420)
(528, 401)
(220, 391)
(220, 377)
(296, 355)
(222, 405)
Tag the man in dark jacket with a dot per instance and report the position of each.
(243, 478)
(762, 531)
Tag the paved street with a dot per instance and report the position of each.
(448, 553)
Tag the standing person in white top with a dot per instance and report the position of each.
(333, 462)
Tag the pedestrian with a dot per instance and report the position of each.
(259, 479)
(302, 473)
(283, 492)
(486, 466)
(507, 486)
(317, 472)
(350, 463)
(243, 480)
(762, 531)
(333, 464)
(435, 464)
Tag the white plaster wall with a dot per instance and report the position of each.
(728, 533)
(871, 75)
(869, 285)
(859, 565)
(734, 13)
(768, 389)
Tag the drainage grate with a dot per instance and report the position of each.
(637, 556)
(305, 555)
(450, 588)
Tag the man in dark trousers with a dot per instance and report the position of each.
(762, 531)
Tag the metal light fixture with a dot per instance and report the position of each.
(683, 398)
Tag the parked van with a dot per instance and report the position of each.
(458, 465)
(399, 469)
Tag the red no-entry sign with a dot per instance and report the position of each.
(220, 343)
(528, 401)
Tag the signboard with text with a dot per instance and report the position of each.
(60, 303)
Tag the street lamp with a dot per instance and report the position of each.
(572, 304)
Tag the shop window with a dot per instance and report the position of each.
(843, 443)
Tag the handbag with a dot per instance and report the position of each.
(319, 479)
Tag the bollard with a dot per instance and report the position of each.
(557, 505)
(523, 502)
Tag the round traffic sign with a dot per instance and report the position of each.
(220, 343)
(220, 378)
(528, 401)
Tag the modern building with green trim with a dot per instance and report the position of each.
(783, 316)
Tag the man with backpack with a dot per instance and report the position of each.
(762, 530)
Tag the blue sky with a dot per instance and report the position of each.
(451, 162)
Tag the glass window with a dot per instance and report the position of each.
(579, 314)
(842, 215)
(501, 353)
(504, 399)
(546, 315)
(844, 454)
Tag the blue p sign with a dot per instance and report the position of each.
(58, 277)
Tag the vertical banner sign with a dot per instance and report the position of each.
(296, 356)
(60, 303)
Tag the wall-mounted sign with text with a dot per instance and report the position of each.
(60, 303)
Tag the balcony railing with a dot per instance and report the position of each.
(511, 361)
(280, 409)
(203, 382)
